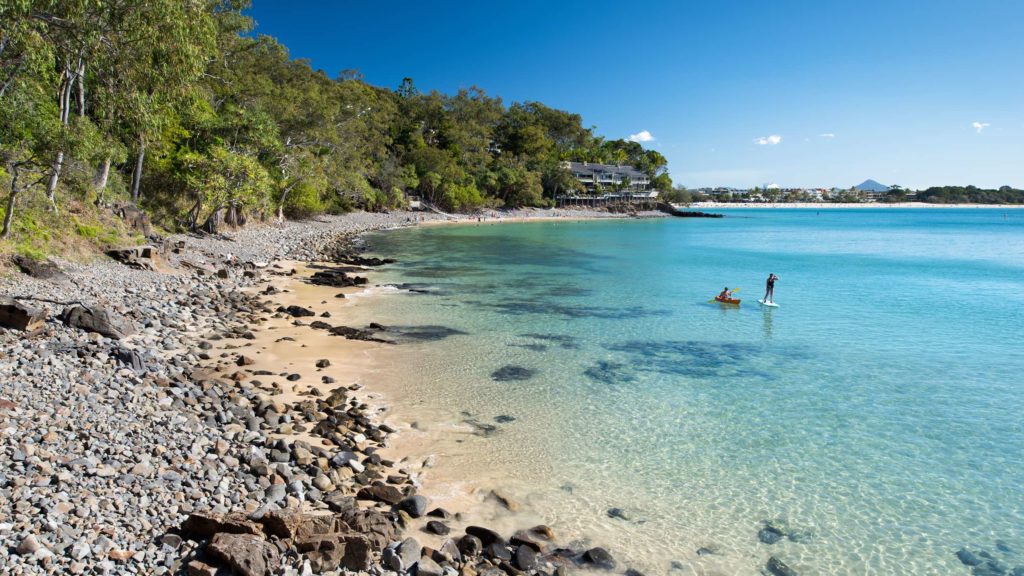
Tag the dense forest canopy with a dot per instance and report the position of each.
(177, 107)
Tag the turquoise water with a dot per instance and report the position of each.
(879, 410)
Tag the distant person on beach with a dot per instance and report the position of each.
(725, 295)
(769, 289)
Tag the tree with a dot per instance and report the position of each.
(224, 180)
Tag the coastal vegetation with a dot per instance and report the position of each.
(895, 193)
(179, 108)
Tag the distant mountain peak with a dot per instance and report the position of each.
(870, 185)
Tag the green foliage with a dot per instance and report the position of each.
(303, 202)
(179, 107)
(223, 178)
(972, 195)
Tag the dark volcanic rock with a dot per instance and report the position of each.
(486, 535)
(600, 558)
(415, 506)
(769, 535)
(425, 333)
(470, 545)
(497, 551)
(42, 269)
(968, 558)
(525, 558)
(97, 319)
(438, 527)
(777, 567)
(618, 513)
(336, 279)
(511, 373)
(298, 311)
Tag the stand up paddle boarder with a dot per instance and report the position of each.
(769, 289)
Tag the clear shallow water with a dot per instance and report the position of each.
(880, 409)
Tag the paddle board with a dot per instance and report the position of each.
(763, 303)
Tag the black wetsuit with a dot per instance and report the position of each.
(769, 290)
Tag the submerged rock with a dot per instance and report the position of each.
(777, 567)
(600, 558)
(513, 373)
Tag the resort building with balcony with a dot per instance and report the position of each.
(608, 177)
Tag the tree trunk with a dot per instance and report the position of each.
(137, 173)
(284, 198)
(81, 88)
(101, 181)
(64, 105)
(9, 214)
(51, 186)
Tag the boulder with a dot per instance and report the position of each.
(247, 555)
(427, 567)
(42, 269)
(470, 546)
(336, 279)
(409, 551)
(202, 525)
(437, 527)
(97, 319)
(525, 558)
(968, 558)
(136, 219)
(141, 257)
(386, 494)
(777, 567)
(298, 311)
(600, 558)
(534, 538)
(130, 358)
(415, 506)
(18, 316)
(486, 535)
(375, 526)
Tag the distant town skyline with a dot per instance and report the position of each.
(793, 93)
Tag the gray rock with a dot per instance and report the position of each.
(409, 551)
(415, 506)
(97, 319)
(427, 567)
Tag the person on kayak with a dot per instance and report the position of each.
(725, 295)
(769, 289)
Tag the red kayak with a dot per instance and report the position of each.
(728, 301)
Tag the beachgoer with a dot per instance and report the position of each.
(725, 295)
(769, 289)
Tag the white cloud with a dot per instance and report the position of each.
(641, 136)
(828, 135)
(979, 126)
(768, 140)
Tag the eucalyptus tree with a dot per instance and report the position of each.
(28, 126)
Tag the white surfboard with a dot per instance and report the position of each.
(771, 304)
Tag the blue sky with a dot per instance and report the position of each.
(733, 93)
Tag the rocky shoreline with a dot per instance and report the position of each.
(137, 439)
